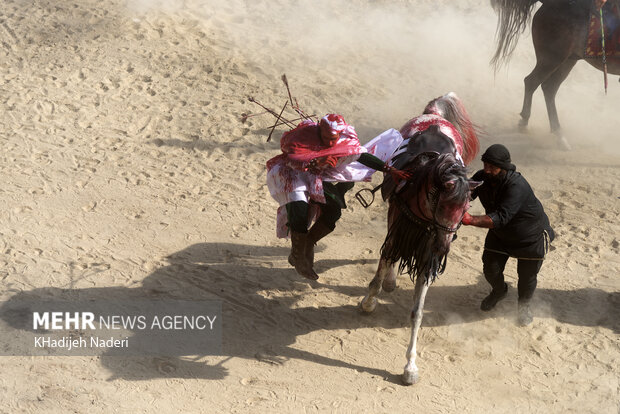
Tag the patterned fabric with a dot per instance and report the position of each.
(303, 143)
(288, 177)
(611, 19)
(382, 147)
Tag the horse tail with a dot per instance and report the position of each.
(513, 18)
(452, 110)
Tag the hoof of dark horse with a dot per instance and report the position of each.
(564, 144)
(522, 126)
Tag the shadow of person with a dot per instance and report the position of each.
(459, 304)
(262, 318)
(257, 322)
(582, 307)
(448, 305)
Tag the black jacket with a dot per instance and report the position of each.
(519, 219)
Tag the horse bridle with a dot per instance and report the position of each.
(431, 224)
(434, 202)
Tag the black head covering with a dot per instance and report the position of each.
(498, 155)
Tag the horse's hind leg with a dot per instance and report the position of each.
(369, 303)
(552, 44)
(411, 374)
(532, 81)
(550, 89)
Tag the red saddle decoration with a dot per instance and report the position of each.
(611, 20)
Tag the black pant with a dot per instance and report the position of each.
(297, 211)
(493, 265)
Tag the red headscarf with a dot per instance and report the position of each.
(335, 122)
(304, 143)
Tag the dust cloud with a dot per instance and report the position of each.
(401, 54)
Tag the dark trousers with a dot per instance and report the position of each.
(297, 211)
(493, 265)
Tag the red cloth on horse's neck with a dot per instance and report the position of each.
(423, 122)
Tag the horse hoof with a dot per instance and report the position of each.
(522, 126)
(563, 143)
(388, 284)
(410, 377)
(368, 306)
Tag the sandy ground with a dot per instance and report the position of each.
(127, 173)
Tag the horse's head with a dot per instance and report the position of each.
(429, 210)
(440, 195)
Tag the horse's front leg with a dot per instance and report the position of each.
(385, 269)
(411, 375)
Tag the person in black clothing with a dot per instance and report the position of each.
(518, 227)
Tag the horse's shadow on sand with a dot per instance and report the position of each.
(261, 320)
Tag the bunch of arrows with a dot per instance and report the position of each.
(280, 120)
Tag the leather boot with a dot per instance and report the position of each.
(316, 233)
(299, 241)
(495, 296)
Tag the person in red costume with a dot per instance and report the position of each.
(518, 227)
(295, 178)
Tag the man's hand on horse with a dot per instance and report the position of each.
(397, 175)
(477, 221)
(467, 219)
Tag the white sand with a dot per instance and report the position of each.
(126, 172)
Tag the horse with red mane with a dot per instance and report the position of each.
(425, 212)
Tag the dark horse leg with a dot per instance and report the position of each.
(541, 72)
(550, 88)
(554, 41)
